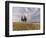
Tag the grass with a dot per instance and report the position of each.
(25, 26)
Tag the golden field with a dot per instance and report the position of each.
(25, 26)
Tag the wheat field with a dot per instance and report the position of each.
(25, 26)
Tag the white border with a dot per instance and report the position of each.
(11, 32)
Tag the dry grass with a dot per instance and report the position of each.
(25, 26)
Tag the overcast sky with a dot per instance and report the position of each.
(33, 13)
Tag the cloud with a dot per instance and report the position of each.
(33, 13)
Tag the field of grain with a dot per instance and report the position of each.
(25, 26)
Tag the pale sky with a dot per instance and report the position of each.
(29, 12)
